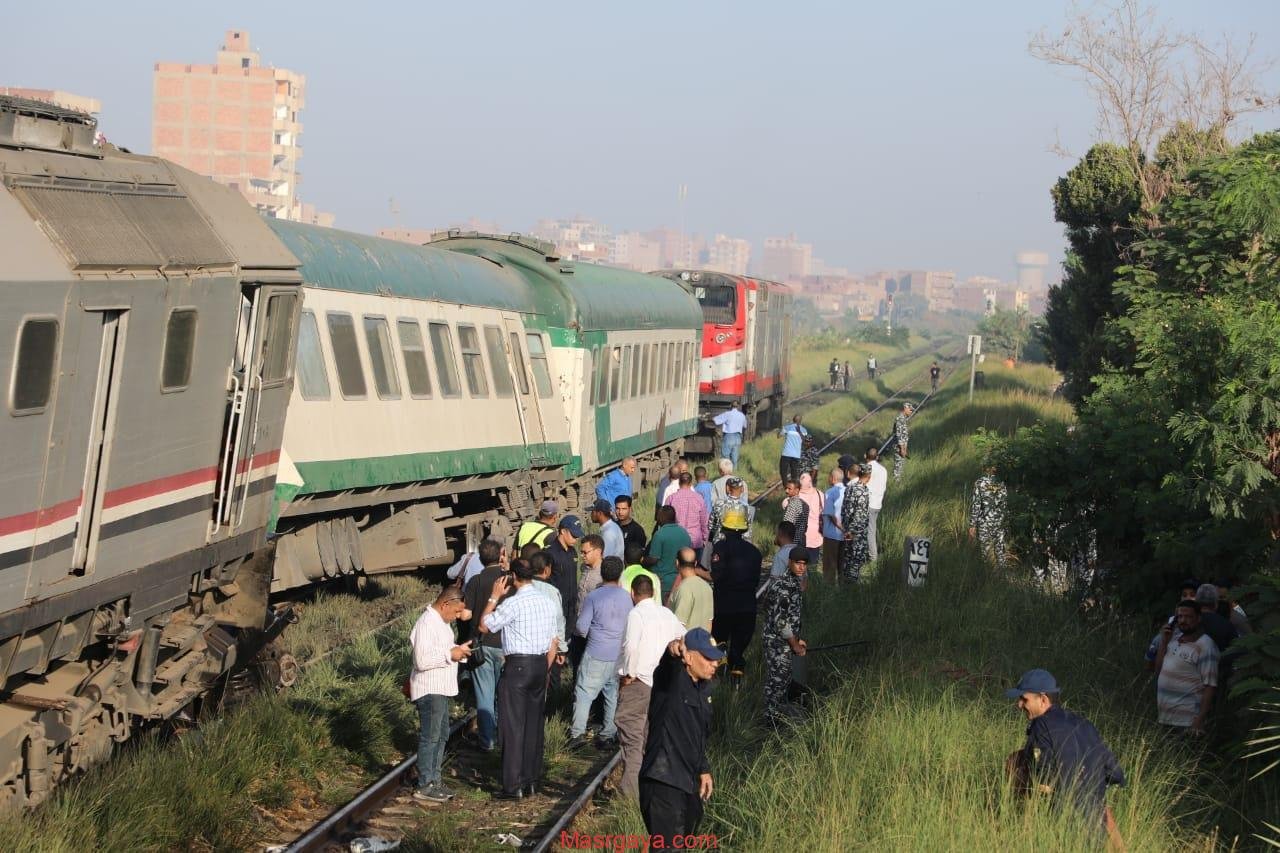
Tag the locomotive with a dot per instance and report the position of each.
(745, 356)
(205, 407)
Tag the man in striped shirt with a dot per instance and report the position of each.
(527, 621)
(1187, 671)
(433, 680)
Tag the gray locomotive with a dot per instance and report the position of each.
(147, 324)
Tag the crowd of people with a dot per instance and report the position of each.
(637, 620)
(640, 621)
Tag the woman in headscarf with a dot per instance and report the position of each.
(811, 536)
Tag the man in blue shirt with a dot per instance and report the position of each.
(792, 447)
(733, 424)
(1064, 756)
(702, 485)
(616, 482)
(832, 534)
(603, 621)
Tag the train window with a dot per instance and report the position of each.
(346, 355)
(279, 343)
(538, 360)
(615, 374)
(518, 355)
(313, 377)
(415, 358)
(472, 361)
(602, 376)
(498, 361)
(637, 353)
(626, 372)
(378, 340)
(33, 369)
(591, 379)
(719, 304)
(644, 371)
(664, 370)
(179, 349)
(446, 364)
(679, 366)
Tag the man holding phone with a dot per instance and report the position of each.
(434, 679)
(1186, 671)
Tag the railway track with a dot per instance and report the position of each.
(892, 363)
(773, 485)
(385, 810)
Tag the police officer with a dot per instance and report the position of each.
(781, 634)
(735, 573)
(987, 515)
(1064, 756)
(900, 436)
(855, 518)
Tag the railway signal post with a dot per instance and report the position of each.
(975, 350)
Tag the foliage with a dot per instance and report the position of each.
(1005, 332)
(1257, 672)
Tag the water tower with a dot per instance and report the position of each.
(1031, 266)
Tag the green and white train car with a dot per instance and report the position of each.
(444, 390)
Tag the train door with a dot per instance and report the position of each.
(256, 401)
(530, 413)
(751, 345)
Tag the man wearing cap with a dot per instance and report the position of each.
(732, 424)
(540, 529)
(781, 633)
(900, 436)
(735, 575)
(610, 532)
(616, 482)
(564, 564)
(854, 515)
(1064, 756)
(675, 778)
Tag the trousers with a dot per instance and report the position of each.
(595, 677)
(830, 559)
(433, 733)
(632, 719)
(737, 629)
(777, 672)
(873, 551)
(485, 680)
(521, 693)
(669, 811)
(730, 447)
(789, 468)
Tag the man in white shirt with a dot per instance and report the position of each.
(650, 628)
(433, 680)
(879, 482)
(732, 424)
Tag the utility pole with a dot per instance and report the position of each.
(975, 349)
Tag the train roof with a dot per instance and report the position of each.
(593, 297)
(715, 278)
(342, 260)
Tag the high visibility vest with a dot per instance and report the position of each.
(532, 531)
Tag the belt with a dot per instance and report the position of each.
(525, 655)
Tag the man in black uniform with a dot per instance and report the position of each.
(632, 532)
(735, 573)
(675, 777)
(1064, 756)
(564, 564)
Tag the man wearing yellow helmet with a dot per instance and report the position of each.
(735, 572)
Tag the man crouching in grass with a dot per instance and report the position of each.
(1064, 756)
(433, 680)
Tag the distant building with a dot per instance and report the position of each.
(937, 288)
(577, 238)
(728, 255)
(56, 97)
(785, 259)
(633, 250)
(1031, 267)
(842, 294)
(676, 248)
(237, 122)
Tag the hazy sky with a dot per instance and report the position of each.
(888, 135)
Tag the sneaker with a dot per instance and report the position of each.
(431, 794)
(440, 788)
(606, 744)
(576, 742)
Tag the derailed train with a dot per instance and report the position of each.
(203, 407)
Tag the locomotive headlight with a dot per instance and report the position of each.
(721, 338)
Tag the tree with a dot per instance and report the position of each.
(1005, 332)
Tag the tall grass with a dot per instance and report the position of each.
(904, 750)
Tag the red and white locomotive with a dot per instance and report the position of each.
(746, 324)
